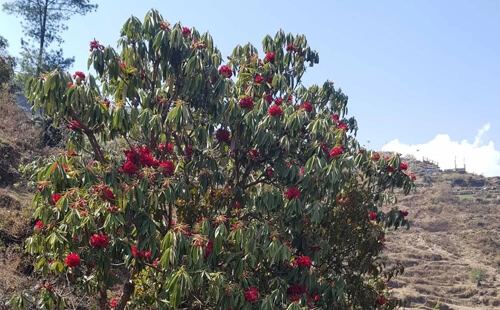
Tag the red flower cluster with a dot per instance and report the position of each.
(290, 47)
(226, 72)
(342, 126)
(246, 103)
(73, 125)
(209, 248)
(275, 111)
(79, 74)
(167, 167)
(189, 151)
(104, 192)
(55, 198)
(112, 303)
(141, 157)
(292, 193)
(100, 241)
(169, 147)
(39, 224)
(251, 294)
(269, 98)
(372, 216)
(94, 45)
(122, 64)
(302, 261)
(70, 84)
(390, 169)
(278, 101)
(270, 57)
(72, 260)
(306, 106)
(336, 151)
(140, 254)
(186, 32)
(296, 290)
(403, 166)
(258, 79)
(375, 156)
(381, 300)
(253, 153)
(222, 135)
(129, 168)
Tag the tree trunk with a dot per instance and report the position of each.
(42, 38)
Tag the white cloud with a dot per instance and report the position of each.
(480, 158)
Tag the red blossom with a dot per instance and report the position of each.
(335, 117)
(372, 216)
(55, 198)
(94, 45)
(79, 74)
(275, 111)
(342, 126)
(251, 294)
(376, 156)
(100, 241)
(290, 47)
(47, 287)
(292, 193)
(269, 57)
(167, 167)
(296, 290)
(253, 153)
(381, 300)
(129, 168)
(246, 103)
(146, 158)
(412, 176)
(112, 303)
(306, 106)
(74, 125)
(403, 166)
(269, 98)
(72, 260)
(278, 101)
(222, 135)
(122, 64)
(39, 224)
(225, 71)
(186, 32)
(302, 261)
(209, 248)
(258, 79)
(390, 169)
(189, 151)
(70, 84)
(336, 151)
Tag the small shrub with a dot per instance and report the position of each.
(477, 274)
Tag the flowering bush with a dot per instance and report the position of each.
(224, 196)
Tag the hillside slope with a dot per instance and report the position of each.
(452, 251)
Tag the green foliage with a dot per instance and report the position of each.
(248, 192)
(477, 274)
(7, 62)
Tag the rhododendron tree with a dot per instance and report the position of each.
(223, 195)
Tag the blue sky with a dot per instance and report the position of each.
(414, 71)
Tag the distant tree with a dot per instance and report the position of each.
(43, 24)
(7, 62)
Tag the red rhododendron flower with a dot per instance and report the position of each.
(269, 98)
(72, 260)
(296, 290)
(112, 303)
(222, 135)
(39, 224)
(269, 79)
(209, 248)
(342, 126)
(74, 125)
(290, 47)
(167, 167)
(146, 158)
(278, 101)
(251, 294)
(372, 216)
(55, 198)
(258, 79)
(132, 155)
(129, 168)
(225, 71)
(335, 117)
(404, 213)
(189, 151)
(100, 241)
(306, 106)
(246, 103)
(412, 176)
(253, 153)
(403, 166)
(381, 300)
(186, 32)
(376, 156)
(336, 151)
(275, 111)
(390, 169)
(292, 193)
(269, 57)
(79, 74)
(70, 84)
(94, 45)
(302, 261)
(294, 298)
